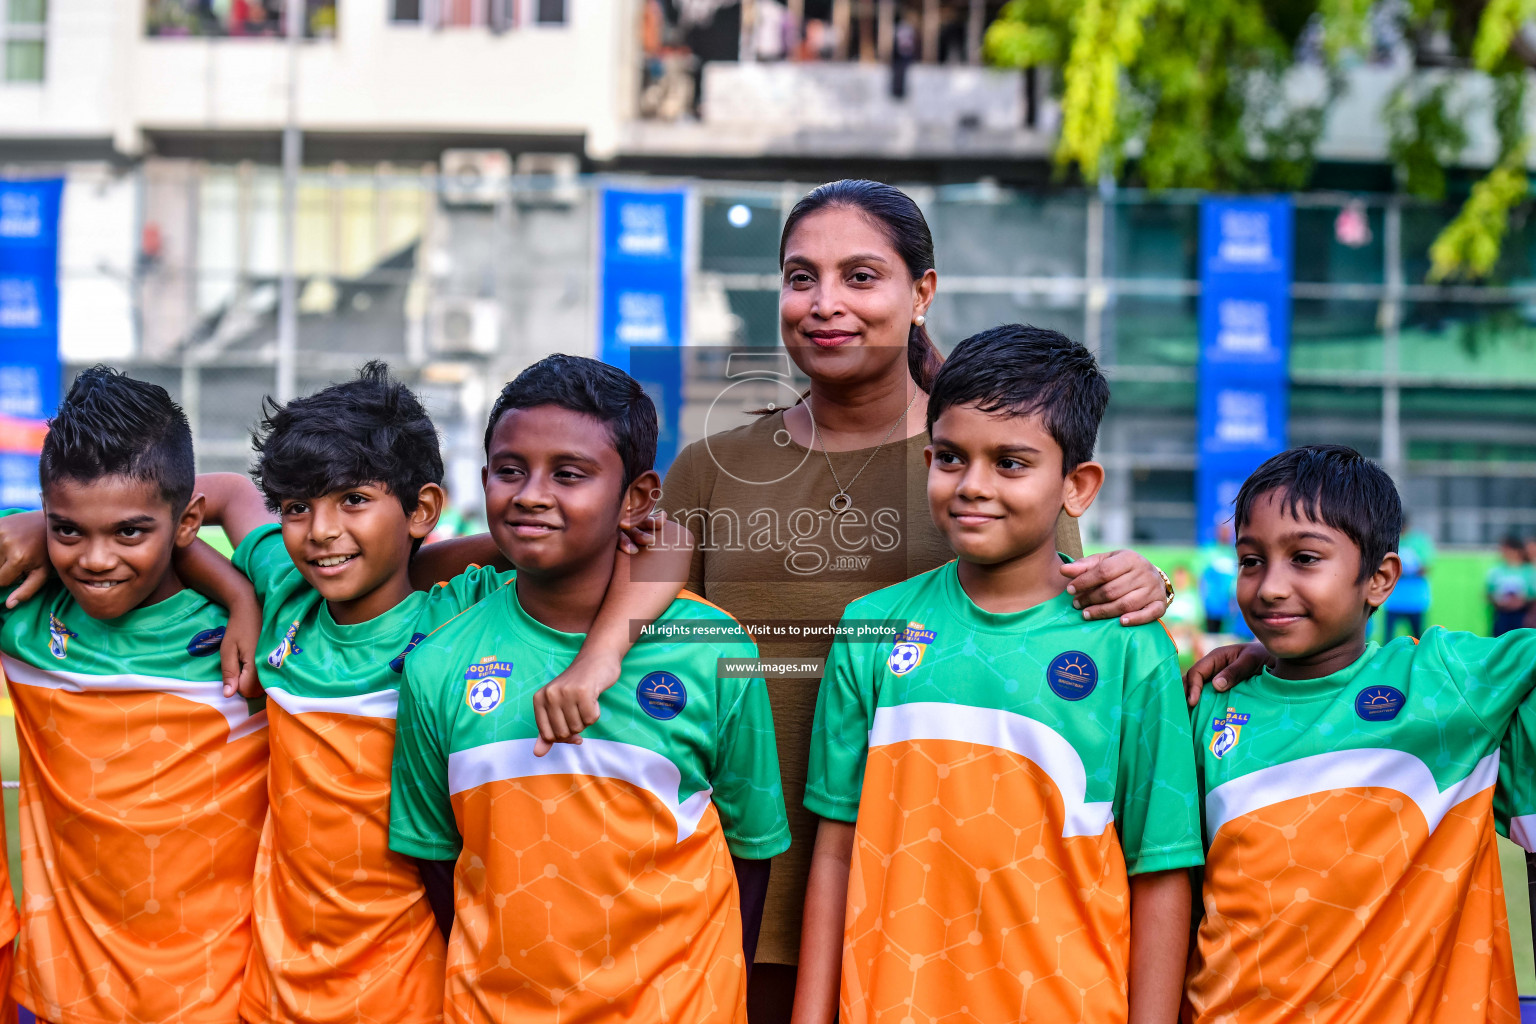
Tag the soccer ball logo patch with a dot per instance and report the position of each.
(909, 649)
(486, 685)
(484, 695)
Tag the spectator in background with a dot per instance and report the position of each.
(1410, 600)
(1509, 586)
(1218, 579)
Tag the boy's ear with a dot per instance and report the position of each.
(1382, 582)
(430, 502)
(190, 522)
(1081, 487)
(639, 499)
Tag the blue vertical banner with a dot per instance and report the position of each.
(1245, 341)
(644, 293)
(29, 331)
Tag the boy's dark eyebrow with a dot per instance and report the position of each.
(558, 457)
(134, 521)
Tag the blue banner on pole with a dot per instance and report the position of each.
(1245, 335)
(29, 331)
(644, 294)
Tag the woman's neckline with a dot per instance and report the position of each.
(792, 444)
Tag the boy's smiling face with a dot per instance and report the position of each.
(111, 540)
(996, 487)
(1299, 588)
(554, 491)
(350, 543)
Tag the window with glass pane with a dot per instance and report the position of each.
(549, 12)
(24, 29)
(405, 10)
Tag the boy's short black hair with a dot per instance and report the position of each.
(1020, 370)
(112, 425)
(1336, 485)
(371, 429)
(594, 388)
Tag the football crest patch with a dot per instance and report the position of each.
(1226, 730)
(59, 636)
(909, 649)
(485, 684)
(662, 695)
(288, 647)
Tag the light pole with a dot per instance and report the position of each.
(293, 154)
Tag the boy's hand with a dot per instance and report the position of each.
(643, 534)
(1119, 583)
(567, 704)
(237, 651)
(1224, 668)
(24, 555)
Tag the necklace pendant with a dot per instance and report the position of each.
(841, 502)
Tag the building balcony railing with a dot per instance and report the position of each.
(172, 19)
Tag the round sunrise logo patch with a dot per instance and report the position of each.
(1072, 675)
(1379, 703)
(662, 696)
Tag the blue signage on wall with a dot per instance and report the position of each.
(643, 274)
(1245, 334)
(29, 331)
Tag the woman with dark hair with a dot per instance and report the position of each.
(823, 499)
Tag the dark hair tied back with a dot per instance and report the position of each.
(903, 223)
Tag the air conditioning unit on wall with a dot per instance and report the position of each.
(548, 179)
(475, 177)
(458, 326)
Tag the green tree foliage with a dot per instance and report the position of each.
(1194, 93)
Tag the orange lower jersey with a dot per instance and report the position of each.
(965, 902)
(571, 911)
(342, 928)
(1315, 895)
(140, 817)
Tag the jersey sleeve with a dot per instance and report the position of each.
(1514, 800)
(264, 559)
(748, 793)
(1157, 807)
(421, 820)
(845, 710)
(1494, 674)
(464, 591)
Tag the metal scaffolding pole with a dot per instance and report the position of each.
(293, 154)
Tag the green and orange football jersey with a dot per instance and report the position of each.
(594, 883)
(342, 931)
(143, 790)
(1514, 801)
(1351, 869)
(1006, 774)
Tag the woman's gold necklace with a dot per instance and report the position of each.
(842, 501)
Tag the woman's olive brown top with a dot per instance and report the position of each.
(773, 554)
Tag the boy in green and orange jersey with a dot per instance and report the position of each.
(1351, 871)
(342, 928)
(599, 882)
(1006, 791)
(143, 778)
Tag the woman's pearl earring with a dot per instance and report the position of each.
(919, 320)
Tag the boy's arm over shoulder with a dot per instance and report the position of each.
(265, 561)
(845, 711)
(1156, 804)
(1493, 674)
(748, 792)
(421, 822)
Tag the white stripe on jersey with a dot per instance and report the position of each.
(605, 759)
(378, 704)
(1006, 730)
(236, 710)
(1362, 768)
